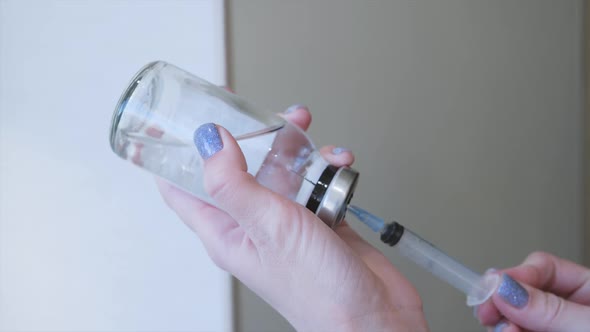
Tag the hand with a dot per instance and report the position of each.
(551, 294)
(319, 279)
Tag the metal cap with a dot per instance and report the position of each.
(332, 194)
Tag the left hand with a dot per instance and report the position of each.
(319, 279)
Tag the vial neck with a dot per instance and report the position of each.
(313, 170)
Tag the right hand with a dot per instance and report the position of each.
(544, 293)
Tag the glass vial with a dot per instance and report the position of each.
(155, 120)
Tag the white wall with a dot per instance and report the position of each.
(86, 243)
(465, 116)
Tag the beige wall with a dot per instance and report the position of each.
(587, 130)
(466, 118)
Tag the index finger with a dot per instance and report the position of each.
(553, 274)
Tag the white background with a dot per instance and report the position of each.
(86, 243)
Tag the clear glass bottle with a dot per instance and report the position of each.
(155, 119)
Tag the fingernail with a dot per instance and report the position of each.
(500, 326)
(490, 270)
(512, 292)
(339, 150)
(207, 140)
(294, 107)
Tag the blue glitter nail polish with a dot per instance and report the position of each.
(512, 292)
(500, 326)
(293, 108)
(207, 140)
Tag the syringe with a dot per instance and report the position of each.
(478, 288)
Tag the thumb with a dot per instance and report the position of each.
(537, 310)
(259, 211)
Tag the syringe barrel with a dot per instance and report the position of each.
(477, 288)
(437, 262)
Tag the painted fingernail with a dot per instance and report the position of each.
(512, 292)
(207, 140)
(339, 150)
(500, 326)
(294, 107)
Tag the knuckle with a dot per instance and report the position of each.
(259, 213)
(263, 220)
(276, 233)
(222, 186)
(538, 257)
(539, 268)
(553, 308)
